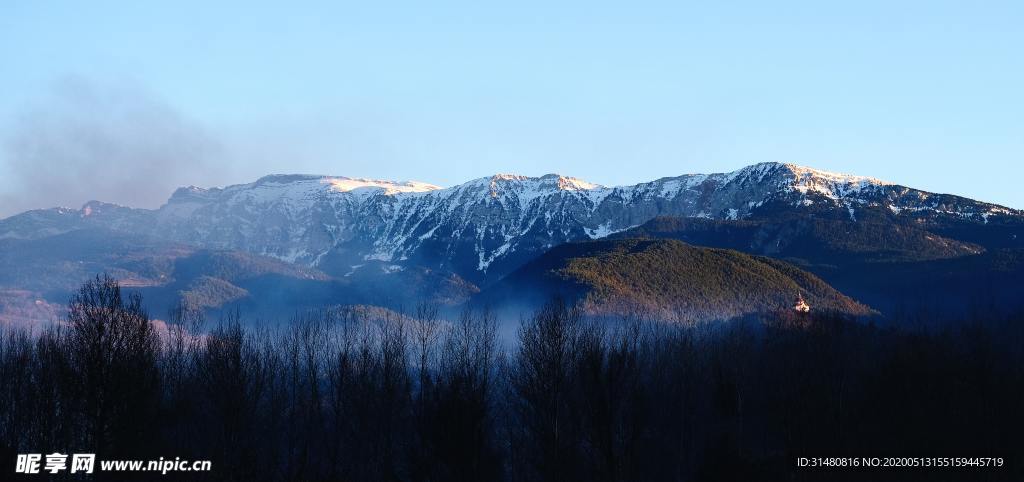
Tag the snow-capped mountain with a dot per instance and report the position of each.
(486, 227)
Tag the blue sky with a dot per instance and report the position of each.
(100, 98)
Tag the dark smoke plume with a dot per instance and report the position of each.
(111, 143)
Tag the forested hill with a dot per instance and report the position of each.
(894, 264)
(666, 278)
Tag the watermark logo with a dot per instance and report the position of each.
(54, 463)
(86, 464)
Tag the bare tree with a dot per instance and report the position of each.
(542, 380)
(113, 350)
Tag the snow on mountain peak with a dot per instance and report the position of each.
(567, 183)
(495, 220)
(563, 183)
(806, 173)
(830, 184)
(346, 184)
(527, 188)
(339, 183)
(508, 177)
(792, 177)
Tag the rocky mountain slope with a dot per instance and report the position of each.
(486, 228)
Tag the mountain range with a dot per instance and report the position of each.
(389, 243)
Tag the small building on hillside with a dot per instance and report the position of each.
(800, 305)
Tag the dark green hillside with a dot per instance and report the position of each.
(207, 292)
(893, 266)
(942, 289)
(812, 241)
(669, 278)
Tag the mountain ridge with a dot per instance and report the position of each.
(486, 227)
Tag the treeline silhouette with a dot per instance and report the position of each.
(355, 394)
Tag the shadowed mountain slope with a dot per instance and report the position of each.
(667, 278)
